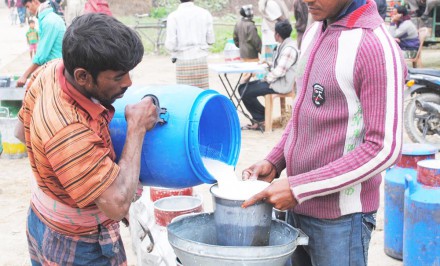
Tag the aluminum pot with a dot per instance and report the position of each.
(157, 193)
(194, 241)
(236, 226)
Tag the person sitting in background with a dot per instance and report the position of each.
(32, 38)
(427, 4)
(246, 35)
(404, 32)
(279, 79)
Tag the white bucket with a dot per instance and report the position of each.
(12, 147)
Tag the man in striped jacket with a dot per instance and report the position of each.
(346, 128)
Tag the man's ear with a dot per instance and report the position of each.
(83, 77)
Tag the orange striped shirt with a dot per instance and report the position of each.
(68, 142)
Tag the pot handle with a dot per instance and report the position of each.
(303, 239)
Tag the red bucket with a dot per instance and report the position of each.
(166, 209)
(160, 192)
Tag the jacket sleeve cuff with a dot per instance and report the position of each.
(277, 160)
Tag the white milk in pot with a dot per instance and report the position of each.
(229, 186)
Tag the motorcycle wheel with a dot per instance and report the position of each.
(414, 125)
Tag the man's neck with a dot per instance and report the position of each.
(75, 85)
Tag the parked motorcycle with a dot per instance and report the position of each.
(422, 113)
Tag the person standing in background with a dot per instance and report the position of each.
(21, 10)
(272, 12)
(246, 35)
(51, 29)
(12, 11)
(301, 13)
(32, 38)
(189, 34)
(73, 9)
(382, 8)
(246, 38)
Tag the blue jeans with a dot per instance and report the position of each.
(343, 241)
(250, 97)
(21, 14)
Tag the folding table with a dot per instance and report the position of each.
(236, 68)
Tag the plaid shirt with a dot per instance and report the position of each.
(285, 57)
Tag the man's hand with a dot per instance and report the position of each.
(278, 194)
(263, 170)
(21, 81)
(142, 114)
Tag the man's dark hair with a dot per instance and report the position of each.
(402, 10)
(98, 42)
(25, 1)
(283, 28)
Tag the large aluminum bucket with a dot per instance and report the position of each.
(194, 241)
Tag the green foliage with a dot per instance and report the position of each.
(212, 6)
(222, 34)
(159, 12)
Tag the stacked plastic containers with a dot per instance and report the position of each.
(421, 238)
(394, 194)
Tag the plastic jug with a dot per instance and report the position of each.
(394, 194)
(231, 52)
(198, 123)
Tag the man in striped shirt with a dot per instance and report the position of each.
(79, 193)
(346, 128)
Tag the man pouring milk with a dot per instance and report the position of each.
(344, 131)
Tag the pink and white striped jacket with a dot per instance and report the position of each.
(346, 125)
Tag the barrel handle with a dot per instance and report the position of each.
(303, 239)
(161, 112)
(410, 183)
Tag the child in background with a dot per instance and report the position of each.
(32, 38)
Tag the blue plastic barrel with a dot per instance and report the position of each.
(199, 123)
(394, 194)
(421, 238)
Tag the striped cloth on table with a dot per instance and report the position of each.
(193, 72)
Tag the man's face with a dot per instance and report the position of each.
(325, 9)
(32, 6)
(110, 85)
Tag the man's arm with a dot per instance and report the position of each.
(171, 36)
(210, 37)
(116, 199)
(22, 80)
(19, 131)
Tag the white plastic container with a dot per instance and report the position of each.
(231, 52)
